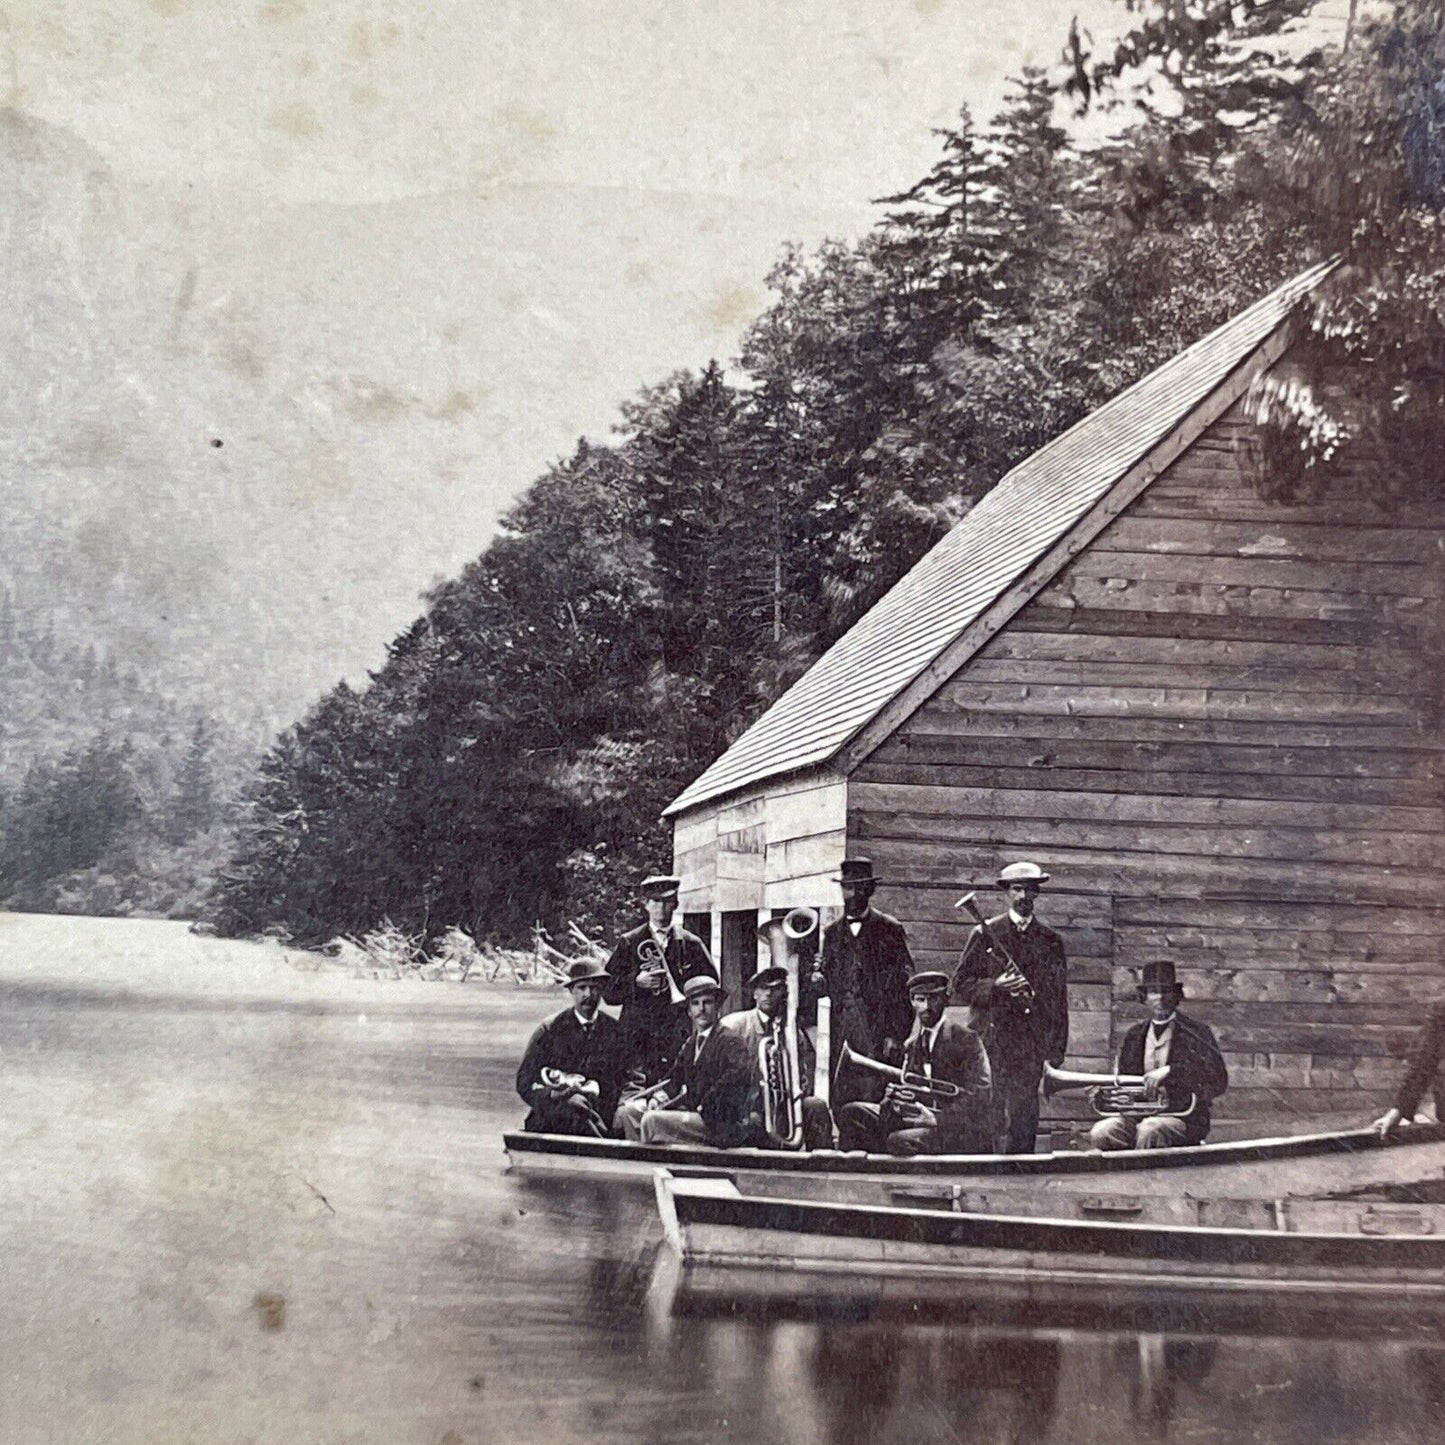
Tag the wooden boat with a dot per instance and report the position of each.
(1335, 1249)
(1305, 1165)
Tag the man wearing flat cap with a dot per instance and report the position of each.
(938, 1050)
(571, 1074)
(711, 1093)
(863, 968)
(1014, 976)
(765, 1023)
(648, 969)
(1180, 1063)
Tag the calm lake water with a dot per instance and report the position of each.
(250, 1203)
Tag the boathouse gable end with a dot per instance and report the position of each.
(1218, 727)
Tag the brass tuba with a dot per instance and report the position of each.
(778, 1065)
(1120, 1094)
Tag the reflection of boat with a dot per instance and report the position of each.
(1309, 1165)
(1334, 1249)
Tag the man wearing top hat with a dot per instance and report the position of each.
(648, 969)
(571, 1073)
(938, 1050)
(710, 1095)
(767, 1021)
(1178, 1059)
(863, 968)
(1013, 975)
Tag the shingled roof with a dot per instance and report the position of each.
(1010, 529)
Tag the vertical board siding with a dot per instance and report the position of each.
(1219, 729)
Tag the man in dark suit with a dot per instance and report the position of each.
(648, 969)
(863, 969)
(1421, 1077)
(1177, 1057)
(571, 1074)
(711, 1096)
(937, 1048)
(1013, 975)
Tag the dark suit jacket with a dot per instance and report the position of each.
(722, 1086)
(653, 1027)
(959, 1057)
(1017, 1040)
(1425, 1058)
(878, 963)
(560, 1043)
(1195, 1067)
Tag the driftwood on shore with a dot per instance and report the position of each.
(389, 951)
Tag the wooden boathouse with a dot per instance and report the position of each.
(1213, 716)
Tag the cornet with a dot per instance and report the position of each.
(654, 960)
(1024, 998)
(1117, 1094)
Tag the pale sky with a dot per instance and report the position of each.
(397, 257)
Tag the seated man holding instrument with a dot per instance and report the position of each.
(1179, 1065)
(940, 1104)
(710, 1095)
(571, 1073)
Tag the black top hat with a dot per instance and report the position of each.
(1159, 975)
(660, 885)
(584, 970)
(929, 981)
(856, 870)
(771, 974)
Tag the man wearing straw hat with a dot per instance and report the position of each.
(571, 1073)
(711, 1093)
(1013, 975)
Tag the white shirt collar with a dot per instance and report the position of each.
(586, 1023)
(1020, 922)
(1159, 1029)
(854, 924)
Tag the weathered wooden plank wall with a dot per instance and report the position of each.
(1219, 728)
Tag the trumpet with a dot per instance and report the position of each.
(778, 1065)
(654, 960)
(1114, 1094)
(1011, 970)
(564, 1085)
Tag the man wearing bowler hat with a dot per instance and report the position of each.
(571, 1074)
(648, 969)
(710, 1095)
(1179, 1061)
(863, 968)
(1013, 975)
(765, 1023)
(938, 1050)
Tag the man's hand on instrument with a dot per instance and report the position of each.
(1387, 1123)
(1011, 983)
(816, 979)
(917, 1116)
(580, 1102)
(649, 980)
(1154, 1081)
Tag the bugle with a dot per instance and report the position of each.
(1011, 970)
(1125, 1094)
(653, 959)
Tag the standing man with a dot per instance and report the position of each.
(1177, 1057)
(938, 1049)
(711, 1094)
(1013, 975)
(1421, 1077)
(863, 968)
(767, 1020)
(648, 969)
(571, 1074)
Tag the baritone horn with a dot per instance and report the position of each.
(1115, 1094)
(778, 1064)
